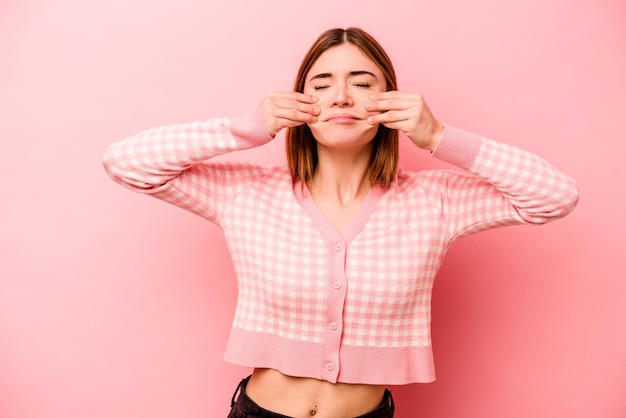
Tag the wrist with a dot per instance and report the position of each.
(250, 130)
(436, 135)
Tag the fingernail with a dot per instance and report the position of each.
(316, 110)
(368, 105)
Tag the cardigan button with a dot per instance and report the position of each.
(338, 246)
(337, 285)
(330, 367)
(333, 326)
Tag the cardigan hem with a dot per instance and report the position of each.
(357, 364)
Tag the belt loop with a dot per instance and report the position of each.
(391, 404)
(240, 389)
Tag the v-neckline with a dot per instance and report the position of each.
(326, 228)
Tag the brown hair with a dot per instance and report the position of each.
(302, 146)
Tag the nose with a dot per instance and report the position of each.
(342, 96)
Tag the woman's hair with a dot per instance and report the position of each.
(302, 146)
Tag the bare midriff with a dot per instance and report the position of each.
(302, 397)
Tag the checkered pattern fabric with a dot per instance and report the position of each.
(352, 306)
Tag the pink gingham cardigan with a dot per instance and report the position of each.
(348, 307)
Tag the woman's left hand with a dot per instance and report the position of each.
(409, 113)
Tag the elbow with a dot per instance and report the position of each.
(109, 161)
(573, 197)
(122, 172)
(554, 207)
(568, 198)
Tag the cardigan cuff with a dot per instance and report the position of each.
(249, 130)
(458, 147)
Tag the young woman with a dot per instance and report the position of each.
(335, 255)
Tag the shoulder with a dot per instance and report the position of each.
(256, 176)
(408, 179)
(231, 177)
(228, 168)
(430, 183)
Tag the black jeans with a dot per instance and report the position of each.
(244, 407)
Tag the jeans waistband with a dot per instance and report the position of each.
(243, 406)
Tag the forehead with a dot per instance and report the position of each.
(343, 58)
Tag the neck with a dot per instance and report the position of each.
(342, 175)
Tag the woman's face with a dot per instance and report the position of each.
(343, 78)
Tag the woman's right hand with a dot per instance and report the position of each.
(287, 109)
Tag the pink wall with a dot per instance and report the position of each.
(116, 305)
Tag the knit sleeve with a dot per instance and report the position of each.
(173, 163)
(502, 185)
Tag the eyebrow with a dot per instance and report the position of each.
(352, 74)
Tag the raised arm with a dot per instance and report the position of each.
(173, 162)
(503, 185)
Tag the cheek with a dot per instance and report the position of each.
(314, 127)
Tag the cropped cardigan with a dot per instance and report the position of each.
(351, 306)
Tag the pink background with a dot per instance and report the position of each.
(116, 305)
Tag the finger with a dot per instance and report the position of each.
(294, 95)
(297, 105)
(393, 94)
(294, 115)
(388, 104)
(290, 123)
(392, 116)
(290, 100)
(387, 100)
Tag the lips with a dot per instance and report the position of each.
(342, 118)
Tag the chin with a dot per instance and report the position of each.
(340, 137)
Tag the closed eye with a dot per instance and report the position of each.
(320, 87)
